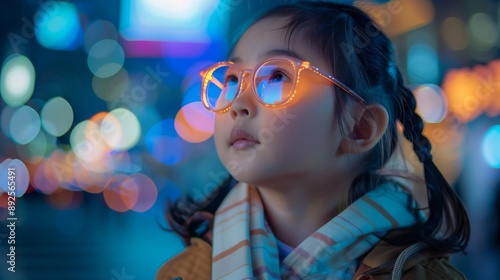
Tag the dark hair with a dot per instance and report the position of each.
(362, 57)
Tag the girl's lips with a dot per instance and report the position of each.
(243, 144)
(240, 139)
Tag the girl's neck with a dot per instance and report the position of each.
(297, 210)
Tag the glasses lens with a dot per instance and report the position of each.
(274, 81)
(222, 87)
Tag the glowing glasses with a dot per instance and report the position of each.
(274, 81)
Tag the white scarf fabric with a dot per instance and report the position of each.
(244, 246)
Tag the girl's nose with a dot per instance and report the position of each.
(245, 104)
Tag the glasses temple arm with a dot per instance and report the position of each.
(338, 83)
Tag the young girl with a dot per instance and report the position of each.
(307, 107)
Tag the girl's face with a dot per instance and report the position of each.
(262, 145)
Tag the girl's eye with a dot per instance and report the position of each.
(231, 80)
(278, 77)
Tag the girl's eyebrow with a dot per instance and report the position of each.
(270, 53)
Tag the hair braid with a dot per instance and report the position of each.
(442, 198)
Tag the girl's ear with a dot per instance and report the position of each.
(365, 129)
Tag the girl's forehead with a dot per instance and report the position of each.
(261, 37)
(268, 37)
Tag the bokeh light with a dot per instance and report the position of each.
(97, 31)
(460, 85)
(46, 180)
(113, 87)
(164, 143)
(124, 162)
(491, 147)
(399, 17)
(454, 33)
(14, 177)
(59, 28)
(101, 131)
(57, 116)
(483, 31)
(24, 125)
(87, 141)
(65, 164)
(34, 151)
(154, 20)
(493, 84)
(90, 148)
(121, 128)
(17, 80)
(59, 168)
(423, 64)
(431, 103)
(121, 193)
(194, 123)
(147, 192)
(5, 117)
(177, 11)
(473, 91)
(89, 180)
(105, 58)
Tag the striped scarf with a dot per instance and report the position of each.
(244, 246)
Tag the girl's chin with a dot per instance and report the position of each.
(251, 178)
(255, 177)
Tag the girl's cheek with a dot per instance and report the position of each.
(220, 123)
(217, 122)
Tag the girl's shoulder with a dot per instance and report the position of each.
(192, 263)
(417, 261)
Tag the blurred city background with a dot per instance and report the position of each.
(102, 123)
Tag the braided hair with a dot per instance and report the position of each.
(442, 199)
